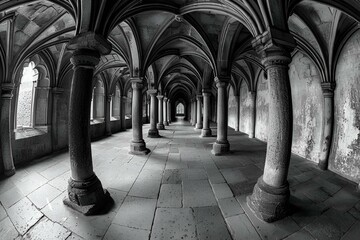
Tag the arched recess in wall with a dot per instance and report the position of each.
(97, 112)
(232, 105)
(345, 151)
(262, 106)
(245, 111)
(116, 103)
(307, 102)
(32, 99)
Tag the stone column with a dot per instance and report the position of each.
(206, 131)
(270, 197)
(328, 119)
(137, 145)
(253, 114)
(222, 145)
(85, 191)
(195, 112)
(153, 131)
(165, 102)
(5, 136)
(108, 116)
(160, 124)
(199, 124)
(169, 111)
(122, 112)
(237, 112)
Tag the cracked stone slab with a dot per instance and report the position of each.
(198, 193)
(170, 196)
(117, 232)
(24, 215)
(210, 224)
(174, 223)
(7, 230)
(136, 212)
(47, 230)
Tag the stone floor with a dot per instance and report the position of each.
(179, 191)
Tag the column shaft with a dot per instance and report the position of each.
(221, 145)
(328, 91)
(5, 136)
(160, 124)
(237, 114)
(165, 102)
(253, 114)
(206, 131)
(169, 111)
(122, 112)
(199, 124)
(108, 116)
(153, 131)
(137, 146)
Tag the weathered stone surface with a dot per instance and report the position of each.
(174, 223)
(10, 197)
(136, 212)
(230, 207)
(47, 230)
(170, 196)
(210, 224)
(241, 228)
(7, 230)
(24, 215)
(222, 190)
(116, 232)
(43, 195)
(198, 193)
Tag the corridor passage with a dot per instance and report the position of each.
(179, 191)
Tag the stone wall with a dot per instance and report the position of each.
(345, 154)
(232, 105)
(262, 108)
(307, 102)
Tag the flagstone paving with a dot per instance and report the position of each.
(178, 191)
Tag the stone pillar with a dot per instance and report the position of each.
(199, 124)
(195, 112)
(270, 198)
(137, 145)
(222, 145)
(206, 131)
(165, 102)
(253, 114)
(237, 113)
(5, 136)
(191, 112)
(153, 131)
(169, 111)
(328, 119)
(160, 124)
(85, 191)
(108, 116)
(122, 112)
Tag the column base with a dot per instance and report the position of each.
(138, 148)
(198, 126)
(269, 203)
(88, 197)
(166, 123)
(153, 133)
(323, 165)
(220, 148)
(10, 172)
(206, 133)
(160, 126)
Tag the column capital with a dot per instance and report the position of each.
(222, 82)
(206, 90)
(86, 58)
(152, 92)
(124, 97)
(136, 83)
(90, 41)
(199, 97)
(328, 88)
(109, 97)
(160, 97)
(165, 99)
(7, 90)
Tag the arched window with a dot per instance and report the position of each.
(97, 112)
(180, 109)
(116, 100)
(26, 94)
